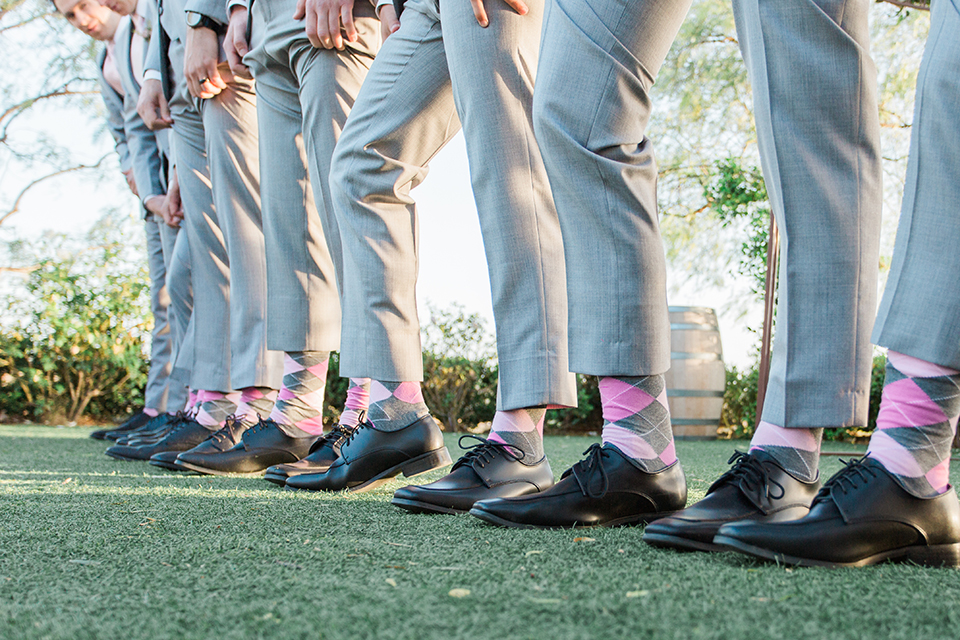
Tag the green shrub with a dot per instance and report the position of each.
(74, 347)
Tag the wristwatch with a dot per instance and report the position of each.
(198, 20)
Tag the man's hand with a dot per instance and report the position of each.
(128, 174)
(481, 13)
(152, 106)
(323, 19)
(235, 42)
(201, 56)
(389, 22)
(172, 209)
(154, 205)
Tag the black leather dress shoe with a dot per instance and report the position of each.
(153, 431)
(261, 446)
(185, 436)
(756, 488)
(371, 457)
(222, 440)
(322, 454)
(488, 470)
(151, 425)
(862, 516)
(132, 423)
(604, 489)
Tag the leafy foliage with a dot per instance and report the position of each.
(76, 346)
(738, 196)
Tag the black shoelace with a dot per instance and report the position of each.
(849, 478)
(753, 476)
(485, 451)
(229, 432)
(584, 470)
(334, 438)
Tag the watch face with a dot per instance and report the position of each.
(193, 19)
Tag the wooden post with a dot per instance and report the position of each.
(769, 295)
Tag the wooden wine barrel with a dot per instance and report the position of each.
(696, 380)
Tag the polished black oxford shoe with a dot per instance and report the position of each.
(153, 431)
(488, 470)
(260, 446)
(322, 454)
(222, 440)
(862, 516)
(370, 458)
(606, 488)
(755, 488)
(132, 423)
(187, 434)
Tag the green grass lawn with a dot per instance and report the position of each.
(91, 547)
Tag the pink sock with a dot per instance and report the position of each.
(358, 400)
(636, 419)
(522, 429)
(153, 413)
(916, 423)
(255, 403)
(215, 406)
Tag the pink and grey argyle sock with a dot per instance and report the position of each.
(358, 401)
(193, 402)
(636, 419)
(916, 423)
(797, 450)
(153, 413)
(522, 429)
(215, 406)
(299, 408)
(255, 403)
(395, 405)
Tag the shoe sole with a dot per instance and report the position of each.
(677, 543)
(436, 459)
(944, 555)
(276, 478)
(486, 516)
(415, 506)
(170, 466)
(182, 466)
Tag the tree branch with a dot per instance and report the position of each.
(14, 111)
(906, 4)
(23, 192)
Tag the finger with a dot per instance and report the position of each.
(333, 26)
(301, 10)
(214, 79)
(346, 17)
(480, 13)
(311, 25)
(518, 6)
(165, 119)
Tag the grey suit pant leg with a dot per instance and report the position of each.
(230, 126)
(304, 95)
(209, 265)
(406, 112)
(177, 260)
(598, 61)
(815, 97)
(158, 376)
(920, 311)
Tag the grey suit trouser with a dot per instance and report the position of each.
(218, 166)
(156, 394)
(304, 95)
(817, 121)
(423, 79)
(176, 255)
(920, 310)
